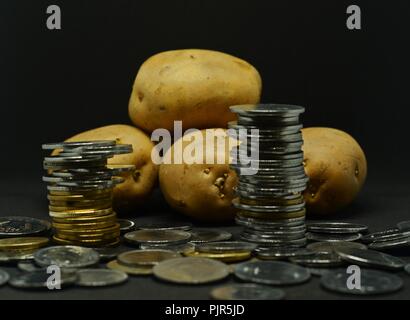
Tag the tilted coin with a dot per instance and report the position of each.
(136, 258)
(180, 248)
(330, 247)
(247, 291)
(4, 277)
(157, 236)
(318, 259)
(66, 256)
(100, 277)
(23, 243)
(371, 282)
(225, 247)
(40, 278)
(336, 227)
(327, 237)
(280, 253)
(389, 234)
(126, 225)
(191, 270)
(370, 258)
(404, 225)
(165, 226)
(209, 235)
(271, 272)
(22, 226)
(221, 256)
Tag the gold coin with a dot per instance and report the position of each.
(272, 216)
(81, 204)
(85, 219)
(272, 202)
(114, 228)
(87, 243)
(152, 257)
(80, 197)
(75, 209)
(23, 243)
(135, 271)
(85, 194)
(81, 237)
(75, 226)
(80, 213)
(225, 257)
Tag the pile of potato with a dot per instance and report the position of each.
(198, 87)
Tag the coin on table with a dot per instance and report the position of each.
(221, 256)
(271, 272)
(165, 226)
(390, 244)
(126, 225)
(404, 225)
(330, 247)
(328, 237)
(372, 282)
(180, 248)
(370, 258)
(209, 235)
(66, 256)
(389, 234)
(100, 277)
(280, 253)
(4, 277)
(191, 270)
(23, 243)
(157, 236)
(247, 291)
(136, 258)
(107, 254)
(15, 256)
(22, 226)
(225, 247)
(318, 259)
(40, 279)
(336, 227)
(134, 271)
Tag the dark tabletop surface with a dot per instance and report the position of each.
(380, 205)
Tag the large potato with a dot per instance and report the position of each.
(195, 86)
(202, 191)
(336, 166)
(138, 184)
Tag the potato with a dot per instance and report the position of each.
(336, 166)
(202, 191)
(138, 184)
(195, 86)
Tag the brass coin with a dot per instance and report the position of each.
(137, 258)
(80, 204)
(272, 202)
(81, 197)
(225, 257)
(92, 225)
(80, 213)
(85, 194)
(75, 209)
(82, 237)
(86, 219)
(114, 228)
(23, 243)
(272, 216)
(87, 243)
(134, 271)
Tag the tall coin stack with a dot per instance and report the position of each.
(80, 187)
(270, 201)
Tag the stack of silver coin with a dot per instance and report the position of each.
(270, 187)
(80, 191)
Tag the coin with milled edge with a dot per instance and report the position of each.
(79, 144)
(318, 260)
(191, 270)
(327, 237)
(371, 282)
(330, 247)
(4, 277)
(247, 291)
(157, 236)
(133, 271)
(126, 225)
(137, 258)
(280, 253)
(22, 226)
(66, 256)
(370, 258)
(100, 277)
(209, 235)
(271, 272)
(336, 227)
(40, 278)
(225, 246)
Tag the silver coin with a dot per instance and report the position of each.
(262, 208)
(273, 242)
(225, 246)
(274, 235)
(370, 258)
(191, 270)
(280, 253)
(336, 227)
(247, 291)
(209, 235)
(80, 189)
(277, 192)
(324, 237)
(165, 226)
(22, 226)
(78, 159)
(62, 145)
(404, 225)
(107, 254)
(180, 248)
(264, 109)
(271, 272)
(157, 236)
(389, 234)
(66, 256)
(100, 277)
(390, 244)
(247, 222)
(12, 257)
(40, 278)
(372, 282)
(407, 268)
(318, 260)
(126, 225)
(4, 277)
(329, 247)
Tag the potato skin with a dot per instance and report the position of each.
(139, 184)
(202, 191)
(192, 85)
(337, 169)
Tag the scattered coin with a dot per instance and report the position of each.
(221, 256)
(370, 258)
(389, 234)
(390, 244)
(271, 272)
(100, 277)
(23, 243)
(180, 248)
(107, 254)
(137, 258)
(166, 226)
(157, 236)
(225, 247)
(126, 225)
(372, 282)
(327, 237)
(247, 291)
(280, 253)
(191, 270)
(22, 226)
(39, 279)
(209, 235)
(318, 260)
(4, 277)
(404, 225)
(66, 256)
(330, 247)
(336, 227)
(135, 271)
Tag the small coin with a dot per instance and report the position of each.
(66, 256)
(280, 253)
(372, 282)
(137, 258)
(325, 237)
(225, 247)
(329, 247)
(4, 277)
(247, 291)
(404, 225)
(180, 248)
(40, 278)
(157, 236)
(126, 225)
(23, 243)
(370, 258)
(271, 272)
(209, 235)
(336, 227)
(318, 260)
(389, 234)
(191, 270)
(224, 257)
(165, 226)
(22, 226)
(134, 271)
(100, 277)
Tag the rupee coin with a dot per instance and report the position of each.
(208, 235)
(318, 260)
(22, 226)
(66, 256)
(329, 247)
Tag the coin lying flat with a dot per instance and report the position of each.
(247, 291)
(66, 256)
(137, 258)
(100, 277)
(107, 254)
(191, 270)
(318, 260)
(370, 258)
(225, 247)
(180, 248)
(157, 236)
(336, 227)
(126, 225)
(134, 271)
(38, 279)
(330, 247)
(372, 282)
(221, 256)
(22, 226)
(165, 226)
(23, 243)
(280, 253)
(404, 226)
(271, 272)
(209, 235)
(4, 277)
(332, 237)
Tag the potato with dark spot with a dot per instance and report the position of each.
(202, 191)
(337, 169)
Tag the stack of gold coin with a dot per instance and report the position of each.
(80, 191)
